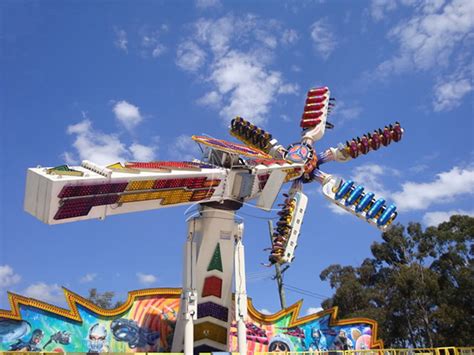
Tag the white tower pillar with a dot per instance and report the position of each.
(205, 311)
(240, 291)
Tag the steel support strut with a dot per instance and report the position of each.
(188, 308)
(190, 297)
(240, 291)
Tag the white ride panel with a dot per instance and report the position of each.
(382, 216)
(301, 202)
(113, 192)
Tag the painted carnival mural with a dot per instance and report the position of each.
(146, 322)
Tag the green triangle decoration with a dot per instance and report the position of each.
(216, 261)
(64, 170)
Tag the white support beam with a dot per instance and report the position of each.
(184, 332)
(240, 291)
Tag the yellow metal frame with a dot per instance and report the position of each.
(73, 299)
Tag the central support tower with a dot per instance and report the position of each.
(214, 247)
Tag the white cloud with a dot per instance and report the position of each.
(370, 176)
(418, 168)
(218, 34)
(378, 8)
(95, 146)
(247, 87)
(102, 148)
(127, 114)
(313, 310)
(146, 279)
(417, 195)
(69, 158)
(142, 152)
(212, 99)
(288, 89)
(323, 38)
(239, 79)
(184, 148)
(151, 43)
(265, 311)
(337, 209)
(427, 6)
(80, 128)
(121, 39)
(428, 39)
(8, 277)
(289, 36)
(44, 292)
(158, 50)
(445, 188)
(438, 38)
(286, 118)
(295, 68)
(435, 218)
(449, 93)
(346, 112)
(190, 56)
(204, 4)
(88, 278)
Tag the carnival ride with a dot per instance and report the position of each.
(227, 176)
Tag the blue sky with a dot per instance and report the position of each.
(133, 80)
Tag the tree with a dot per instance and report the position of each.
(103, 300)
(418, 285)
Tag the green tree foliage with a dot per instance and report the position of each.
(103, 300)
(419, 285)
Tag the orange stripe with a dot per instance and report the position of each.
(143, 309)
(155, 313)
(151, 314)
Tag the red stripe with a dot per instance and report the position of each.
(312, 114)
(143, 308)
(315, 99)
(318, 91)
(313, 107)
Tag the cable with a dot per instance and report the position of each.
(260, 277)
(252, 274)
(308, 291)
(191, 213)
(305, 292)
(258, 217)
(235, 200)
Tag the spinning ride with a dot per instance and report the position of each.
(227, 176)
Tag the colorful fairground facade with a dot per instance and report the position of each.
(211, 312)
(146, 322)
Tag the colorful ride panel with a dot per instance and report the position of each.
(146, 323)
(361, 204)
(232, 148)
(102, 191)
